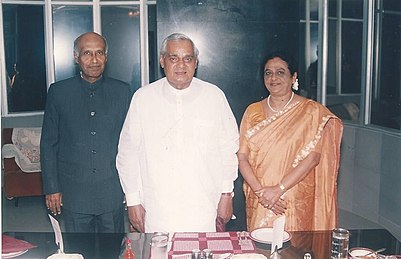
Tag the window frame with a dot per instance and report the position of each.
(49, 48)
(369, 62)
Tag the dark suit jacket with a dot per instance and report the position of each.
(80, 135)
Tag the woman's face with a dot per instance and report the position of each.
(277, 77)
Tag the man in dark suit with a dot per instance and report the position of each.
(81, 127)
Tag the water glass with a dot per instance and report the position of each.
(339, 243)
(158, 245)
(207, 254)
(196, 254)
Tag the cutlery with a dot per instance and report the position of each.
(244, 237)
(239, 238)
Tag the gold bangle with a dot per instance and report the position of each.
(281, 186)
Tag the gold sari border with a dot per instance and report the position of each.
(255, 129)
(312, 144)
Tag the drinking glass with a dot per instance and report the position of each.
(339, 243)
(158, 245)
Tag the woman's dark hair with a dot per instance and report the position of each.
(290, 60)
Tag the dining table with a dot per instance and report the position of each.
(299, 244)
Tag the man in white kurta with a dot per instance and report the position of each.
(176, 156)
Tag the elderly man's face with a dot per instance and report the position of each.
(179, 63)
(91, 57)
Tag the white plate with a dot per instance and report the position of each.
(13, 254)
(65, 256)
(265, 235)
(361, 252)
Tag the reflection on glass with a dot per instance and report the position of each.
(152, 39)
(311, 73)
(386, 101)
(352, 9)
(24, 57)
(314, 9)
(120, 26)
(332, 57)
(68, 23)
(343, 89)
(392, 5)
(333, 8)
(351, 57)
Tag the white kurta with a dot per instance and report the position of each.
(177, 154)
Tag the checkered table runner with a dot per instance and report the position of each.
(218, 242)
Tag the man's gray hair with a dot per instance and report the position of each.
(177, 36)
(77, 40)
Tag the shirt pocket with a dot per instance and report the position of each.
(204, 133)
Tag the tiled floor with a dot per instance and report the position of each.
(31, 215)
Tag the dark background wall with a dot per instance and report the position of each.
(233, 38)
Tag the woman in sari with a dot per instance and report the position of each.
(289, 154)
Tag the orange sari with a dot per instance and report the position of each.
(279, 143)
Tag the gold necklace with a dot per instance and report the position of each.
(268, 103)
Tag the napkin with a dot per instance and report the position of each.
(170, 240)
(278, 233)
(12, 245)
(59, 241)
(57, 233)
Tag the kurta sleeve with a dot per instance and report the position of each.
(128, 156)
(228, 141)
(49, 145)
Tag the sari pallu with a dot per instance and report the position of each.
(278, 144)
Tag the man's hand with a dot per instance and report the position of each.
(136, 215)
(54, 202)
(225, 208)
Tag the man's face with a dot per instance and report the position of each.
(179, 63)
(91, 57)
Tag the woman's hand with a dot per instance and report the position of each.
(270, 198)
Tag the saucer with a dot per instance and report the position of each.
(265, 235)
(359, 252)
(13, 254)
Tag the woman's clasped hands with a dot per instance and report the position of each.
(270, 197)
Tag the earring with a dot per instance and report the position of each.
(295, 85)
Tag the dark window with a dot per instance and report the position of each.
(68, 23)
(120, 26)
(351, 57)
(25, 57)
(386, 101)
